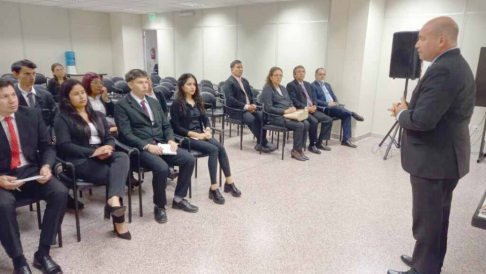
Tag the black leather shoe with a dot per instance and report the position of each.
(159, 215)
(407, 260)
(185, 205)
(133, 181)
(313, 149)
(411, 271)
(349, 144)
(216, 196)
(22, 270)
(46, 265)
(262, 148)
(357, 117)
(71, 204)
(172, 173)
(232, 188)
(271, 147)
(296, 155)
(303, 155)
(323, 147)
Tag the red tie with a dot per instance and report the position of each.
(145, 108)
(14, 144)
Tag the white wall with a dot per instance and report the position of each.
(401, 15)
(42, 34)
(284, 34)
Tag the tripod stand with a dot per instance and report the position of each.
(397, 128)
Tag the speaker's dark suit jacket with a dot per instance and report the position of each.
(435, 142)
(134, 126)
(320, 96)
(235, 96)
(43, 102)
(297, 95)
(276, 103)
(34, 140)
(75, 148)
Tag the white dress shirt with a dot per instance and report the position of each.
(147, 105)
(25, 93)
(23, 161)
(97, 104)
(95, 135)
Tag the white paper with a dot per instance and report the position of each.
(166, 149)
(33, 178)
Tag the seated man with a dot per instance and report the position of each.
(142, 124)
(159, 96)
(238, 95)
(26, 151)
(303, 96)
(326, 98)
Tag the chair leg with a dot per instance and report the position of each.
(90, 191)
(272, 138)
(140, 192)
(220, 176)
(80, 194)
(283, 144)
(278, 139)
(241, 138)
(39, 217)
(341, 134)
(59, 235)
(230, 130)
(195, 166)
(76, 215)
(129, 193)
(31, 208)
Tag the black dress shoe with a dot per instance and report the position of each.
(349, 144)
(160, 215)
(313, 149)
(262, 148)
(271, 147)
(323, 147)
(296, 155)
(22, 270)
(411, 271)
(185, 205)
(232, 188)
(407, 260)
(303, 155)
(216, 196)
(71, 204)
(46, 265)
(357, 117)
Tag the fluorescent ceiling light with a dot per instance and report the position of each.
(191, 4)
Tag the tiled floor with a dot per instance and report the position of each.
(346, 211)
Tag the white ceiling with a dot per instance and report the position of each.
(141, 6)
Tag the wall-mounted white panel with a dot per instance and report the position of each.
(308, 10)
(219, 51)
(476, 6)
(416, 8)
(165, 46)
(219, 17)
(190, 21)
(258, 14)
(11, 46)
(189, 52)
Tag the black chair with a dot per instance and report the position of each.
(273, 128)
(208, 89)
(117, 78)
(40, 79)
(209, 101)
(171, 79)
(155, 79)
(108, 84)
(10, 77)
(237, 120)
(168, 85)
(121, 87)
(206, 82)
(165, 91)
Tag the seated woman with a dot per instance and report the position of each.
(276, 101)
(54, 85)
(83, 138)
(188, 119)
(98, 97)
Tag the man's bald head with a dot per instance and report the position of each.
(436, 37)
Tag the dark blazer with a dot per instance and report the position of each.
(274, 102)
(180, 122)
(235, 96)
(43, 102)
(34, 139)
(54, 88)
(297, 95)
(134, 126)
(163, 103)
(110, 107)
(72, 147)
(436, 142)
(321, 98)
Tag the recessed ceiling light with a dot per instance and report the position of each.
(66, 1)
(135, 10)
(191, 4)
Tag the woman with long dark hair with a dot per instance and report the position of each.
(83, 138)
(58, 77)
(189, 119)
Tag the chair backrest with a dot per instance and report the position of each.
(10, 77)
(255, 92)
(171, 79)
(108, 84)
(208, 99)
(204, 81)
(168, 85)
(117, 78)
(164, 90)
(155, 79)
(259, 98)
(40, 79)
(121, 87)
(208, 89)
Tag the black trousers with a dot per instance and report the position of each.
(431, 209)
(345, 116)
(254, 122)
(216, 151)
(299, 128)
(160, 170)
(326, 126)
(111, 172)
(53, 192)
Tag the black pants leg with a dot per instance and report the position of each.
(431, 209)
(299, 128)
(253, 121)
(160, 171)
(111, 172)
(345, 116)
(326, 126)
(186, 162)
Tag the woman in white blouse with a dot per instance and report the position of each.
(98, 97)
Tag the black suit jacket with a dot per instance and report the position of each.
(235, 96)
(180, 122)
(275, 103)
(72, 147)
(163, 103)
(43, 103)
(297, 95)
(54, 88)
(34, 140)
(134, 126)
(320, 96)
(436, 142)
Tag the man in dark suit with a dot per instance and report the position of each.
(26, 151)
(435, 145)
(142, 124)
(303, 96)
(238, 95)
(159, 96)
(326, 98)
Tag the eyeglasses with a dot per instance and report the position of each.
(277, 75)
(96, 83)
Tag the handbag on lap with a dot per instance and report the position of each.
(300, 115)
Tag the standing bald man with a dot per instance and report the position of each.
(435, 145)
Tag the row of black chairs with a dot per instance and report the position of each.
(40, 79)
